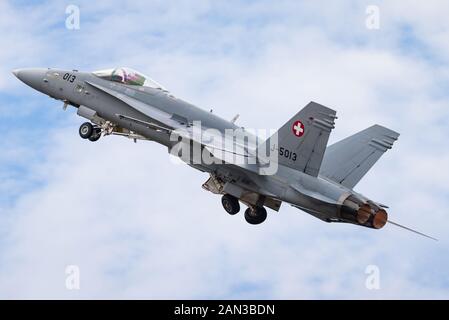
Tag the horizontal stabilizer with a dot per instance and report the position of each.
(347, 161)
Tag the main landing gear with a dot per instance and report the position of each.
(89, 131)
(230, 204)
(253, 215)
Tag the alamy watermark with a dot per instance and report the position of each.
(72, 280)
(73, 21)
(209, 146)
(372, 281)
(372, 21)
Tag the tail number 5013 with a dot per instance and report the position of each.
(287, 154)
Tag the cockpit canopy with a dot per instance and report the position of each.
(128, 76)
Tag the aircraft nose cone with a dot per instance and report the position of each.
(32, 77)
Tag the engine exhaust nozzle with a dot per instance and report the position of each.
(364, 213)
(380, 219)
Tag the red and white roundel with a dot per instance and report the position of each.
(298, 128)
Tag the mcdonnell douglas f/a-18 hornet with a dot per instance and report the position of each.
(293, 165)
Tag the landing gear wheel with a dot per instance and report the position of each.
(230, 204)
(95, 135)
(256, 215)
(86, 130)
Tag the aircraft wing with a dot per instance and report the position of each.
(212, 140)
(347, 161)
(158, 115)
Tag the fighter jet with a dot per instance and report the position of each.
(293, 166)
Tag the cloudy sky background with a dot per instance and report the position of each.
(139, 226)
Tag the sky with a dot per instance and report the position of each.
(136, 226)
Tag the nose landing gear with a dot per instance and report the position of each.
(89, 131)
(86, 130)
(95, 135)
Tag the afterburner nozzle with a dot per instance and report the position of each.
(364, 213)
(380, 219)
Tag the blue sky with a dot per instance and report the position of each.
(124, 214)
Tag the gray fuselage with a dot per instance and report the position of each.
(315, 195)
